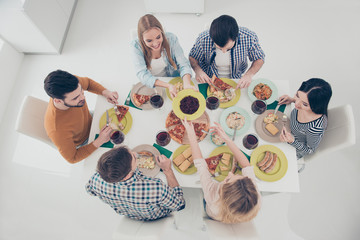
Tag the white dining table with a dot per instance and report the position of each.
(146, 124)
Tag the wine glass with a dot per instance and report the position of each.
(117, 137)
(163, 138)
(250, 141)
(258, 106)
(212, 103)
(156, 100)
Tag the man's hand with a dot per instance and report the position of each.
(111, 97)
(201, 76)
(104, 136)
(244, 81)
(164, 163)
(285, 136)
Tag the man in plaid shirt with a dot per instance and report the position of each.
(223, 50)
(120, 184)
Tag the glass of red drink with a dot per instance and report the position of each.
(250, 141)
(163, 138)
(258, 106)
(117, 137)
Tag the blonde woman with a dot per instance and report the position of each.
(234, 200)
(159, 54)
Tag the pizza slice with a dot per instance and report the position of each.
(121, 112)
(220, 83)
(198, 127)
(177, 133)
(213, 162)
(172, 120)
(140, 99)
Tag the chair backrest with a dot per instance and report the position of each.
(30, 120)
(340, 132)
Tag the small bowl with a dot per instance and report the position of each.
(211, 137)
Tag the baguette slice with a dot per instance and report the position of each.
(185, 165)
(179, 160)
(187, 153)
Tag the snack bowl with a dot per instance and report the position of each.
(215, 139)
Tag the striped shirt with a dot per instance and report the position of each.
(246, 46)
(307, 135)
(140, 197)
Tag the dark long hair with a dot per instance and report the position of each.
(318, 93)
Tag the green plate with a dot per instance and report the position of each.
(240, 110)
(273, 87)
(280, 168)
(235, 99)
(173, 82)
(183, 94)
(192, 169)
(217, 151)
(126, 121)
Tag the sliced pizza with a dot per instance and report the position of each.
(121, 112)
(220, 83)
(172, 120)
(212, 162)
(198, 127)
(140, 99)
(177, 133)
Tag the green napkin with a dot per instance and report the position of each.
(131, 104)
(274, 104)
(203, 89)
(162, 150)
(105, 145)
(248, 157)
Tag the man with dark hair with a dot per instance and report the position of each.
(120, 184)
(67, 118)
(223, 50)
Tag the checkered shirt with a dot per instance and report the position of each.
(139, 197)
(246, 46)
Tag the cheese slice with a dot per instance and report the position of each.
(272, 129)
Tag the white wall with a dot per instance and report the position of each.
(10, 62)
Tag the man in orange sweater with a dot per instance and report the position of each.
(67, 118)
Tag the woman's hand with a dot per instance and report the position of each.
(189, 127)
(172, 90)
(286, 136)
(219, 131)
(111, 97)
(285, 99)
(189, 86)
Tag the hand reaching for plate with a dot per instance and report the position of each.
(111, 97)
(285, 99)
(189, 127)
(220, 131)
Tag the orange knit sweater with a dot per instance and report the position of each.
(70, 128)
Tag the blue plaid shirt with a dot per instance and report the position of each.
(139, 197)
(246, 46)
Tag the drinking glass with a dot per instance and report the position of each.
(212, 103)
(258, 106)
(250, 141)
(117, 137)
(163, 138)
(156, 100)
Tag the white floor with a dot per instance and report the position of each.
(42, 197)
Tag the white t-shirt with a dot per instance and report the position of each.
(222, 61)
(158, 67)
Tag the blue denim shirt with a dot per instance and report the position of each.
(177, 55)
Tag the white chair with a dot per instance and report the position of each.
(30, 120)
(129, 229)
(339, 134)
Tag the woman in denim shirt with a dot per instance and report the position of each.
(159, 54)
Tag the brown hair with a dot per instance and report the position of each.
(115, 164)
(146, 23)
(239, 201)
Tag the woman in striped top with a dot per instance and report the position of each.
(308, 120)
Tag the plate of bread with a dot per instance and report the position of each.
(183, 161)
(268, 126)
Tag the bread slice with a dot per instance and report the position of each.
(225, 161)
(272, 129)
(191, 159)
(187, 153)
(179, 160)
(226, 156)
(185, 165)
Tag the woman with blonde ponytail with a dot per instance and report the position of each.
(159, 54)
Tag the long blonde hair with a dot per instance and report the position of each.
(146, 23)
(239, 201)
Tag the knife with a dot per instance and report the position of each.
(107, 118)
(276, 109)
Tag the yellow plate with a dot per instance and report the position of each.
(192, 169)
(173, 82)
(235, 99)
(280, 168)
(126, 121)
(183, 94)
(217, 151)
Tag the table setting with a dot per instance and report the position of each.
(157, 129)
